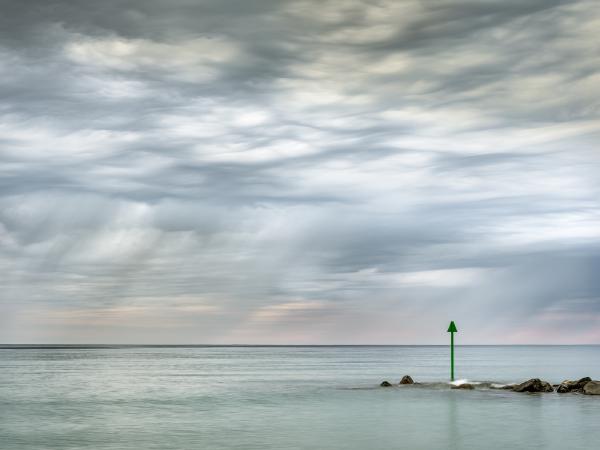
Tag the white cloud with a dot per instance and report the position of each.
(194, 60)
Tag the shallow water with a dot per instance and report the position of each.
(290, 398)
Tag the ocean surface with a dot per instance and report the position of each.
(291, 398)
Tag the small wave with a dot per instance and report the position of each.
(441, 385)
(436, 385)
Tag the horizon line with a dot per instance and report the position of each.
(101, 345)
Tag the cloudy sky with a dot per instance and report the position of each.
(310, 171)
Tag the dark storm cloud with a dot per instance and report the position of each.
(294, 171)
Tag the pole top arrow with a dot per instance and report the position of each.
(452, 327)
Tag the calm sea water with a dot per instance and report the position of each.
(290, 398)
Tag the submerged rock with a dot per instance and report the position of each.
(385, 384)
(406, 379)
(572, 386)
(534, 385)
(592, 388)
(463, 386)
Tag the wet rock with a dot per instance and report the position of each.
(407, 379)
(534, 385)
(592, 388)
(464, 386)
(572, 386)
(385, 384)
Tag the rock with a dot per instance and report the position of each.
(572, 386)
(385, 384)
(406, 379)
(534, 385)
(464, 386)
(592, 388)
(564, 387)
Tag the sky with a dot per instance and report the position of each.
(299, 172)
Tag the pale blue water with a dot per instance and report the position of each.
(290, 398)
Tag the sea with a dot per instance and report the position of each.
(299, 397)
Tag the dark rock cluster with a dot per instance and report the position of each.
(533, 385)
(583, 386)
(572, 386)
(406, 379)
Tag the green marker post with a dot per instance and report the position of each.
(452, 329)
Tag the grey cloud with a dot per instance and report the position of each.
(278, 169)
